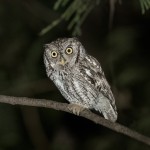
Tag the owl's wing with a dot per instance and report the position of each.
(95, 75)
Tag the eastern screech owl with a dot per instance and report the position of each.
(79, 77)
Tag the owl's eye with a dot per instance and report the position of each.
(69, 50)
(54, 54)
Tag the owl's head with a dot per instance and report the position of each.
(63, 53)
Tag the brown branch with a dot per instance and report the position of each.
(85, 113)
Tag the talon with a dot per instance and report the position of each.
(75, 109)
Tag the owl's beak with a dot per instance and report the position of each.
(62, 61)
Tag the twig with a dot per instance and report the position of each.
(85, 113)
(112, 4)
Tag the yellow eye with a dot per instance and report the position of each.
(69, 50)
(54, 54)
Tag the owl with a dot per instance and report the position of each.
(79, 77)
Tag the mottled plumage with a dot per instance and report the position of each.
(79, 76)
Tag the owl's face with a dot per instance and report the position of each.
(63, 53)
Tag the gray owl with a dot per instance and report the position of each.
(79, 77)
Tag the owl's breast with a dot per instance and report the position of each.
(59, 79)
(81, 90)
(75, 88)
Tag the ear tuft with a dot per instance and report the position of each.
(75, 38)
(45, 46)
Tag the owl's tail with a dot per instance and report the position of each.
(104, 106)
(110, 115)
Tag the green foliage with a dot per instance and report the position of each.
(76, 16)
(73, 14)
(145, 5)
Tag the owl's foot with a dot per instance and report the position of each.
(76, 109)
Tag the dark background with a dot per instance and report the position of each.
(124, 55)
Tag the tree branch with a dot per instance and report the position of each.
(85, 113)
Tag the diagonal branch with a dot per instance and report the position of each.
(85, 113)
